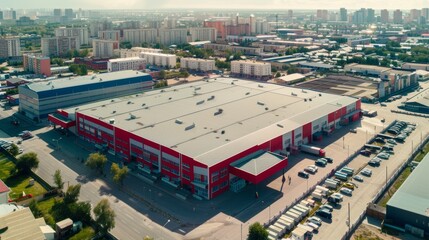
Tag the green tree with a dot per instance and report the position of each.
(126, 45)
(72, 194)
(104, 216)
(80, 211)
(57, 61)
(184, 74)
(79, 69)
(278, 74)
(58, 180)
(96, 161)
(27, 161)
(14, 150)
(119, 173)
(162, 74)
(35, 209)
(257, 232)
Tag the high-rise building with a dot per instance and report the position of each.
(397, 16)
(343, 15)
(79, 32)
(37, 64)
(104, 48)
(9, 14)
(94, 27)
(59, 46)
(68, 13)
(1, 15)
(173, 36)
(360, 16)
(425, 13)
(109, 35)
(57, 12)
(322, 15)
(415, 14)
(135, 52)
(384, 16)
(203, 34)
(138, 36)
(290, 14)
(252, 22)
(262, 27)
(10, 47)
(370, 15)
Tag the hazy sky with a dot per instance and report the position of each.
(261, 4)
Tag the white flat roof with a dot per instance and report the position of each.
(183, 117)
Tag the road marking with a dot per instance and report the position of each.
(180, 230)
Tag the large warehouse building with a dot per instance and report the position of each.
(210, 136)
(39, 99)
(410, 203)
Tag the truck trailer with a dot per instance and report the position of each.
(313, 150)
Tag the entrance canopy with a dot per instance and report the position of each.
(60, 120)
(258, 166)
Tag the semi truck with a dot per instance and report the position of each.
(323, 190)
(313, 150)
(341, 176)
(346, 171)
(317, 195)
(331, 184)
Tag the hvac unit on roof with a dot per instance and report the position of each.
(310, 99)
(200, 102)
(294, 94)
(197, 88)
(112, 100)
(143, 104)
(302, 90)
(190, 127)
(132, 116)
(211, 98)
(261, 103)
(129, 102)
(178, 121)
(113, 111)
(247, 93)
(101, 79)
(261, 86)
(112, 121)
(219, 111)
(320, 94)
(279, 125)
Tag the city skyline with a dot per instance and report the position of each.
(221, 4)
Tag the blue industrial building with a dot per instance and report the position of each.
(37, 100)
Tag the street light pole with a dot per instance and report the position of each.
(241, 231)
(166, 223)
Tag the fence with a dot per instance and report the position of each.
(389, 183)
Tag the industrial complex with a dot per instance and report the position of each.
(213, 135)
(409, 206)
(38, 99)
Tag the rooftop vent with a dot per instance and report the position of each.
(320, 94)
(279, 125)
(197, 88)
(232, 83)
(261, 103)
(93, 76)
(129, 102)
(310, 99)
(52, 87)
(222, 132)
(303, 91)
(76, 109)
(190, 127)
(178, 121)
(211, 98)
(247, 93)
(169, 98)
(49, 83)
(266, 109)
(200, 102)
(113, 100)
(101, 79)
(113, 111)
(219, 111)
(132, 116)
(112, 121)
(294, 94)
(103, 105)
(305, 99)
(143, 104)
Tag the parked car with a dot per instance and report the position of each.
(353, 130)
(311, 169)
(315, 220)
(329, 159)
(384, 156)
(327, 206)
(379, 140)
(324, 213)
(391, 141)
(383, 104)
(366, 172)
(321, 162)
(303, 174)
(373, 163)
(358, 178)
(366, 153)
(349, 186)
(346, 191)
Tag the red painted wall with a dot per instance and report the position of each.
(358, 104)
(306, 131)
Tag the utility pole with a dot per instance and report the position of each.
(348, 219)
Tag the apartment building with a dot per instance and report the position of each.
(203, 65)
(173, 36)
(59, 46)
(135, 52)
(104, 48)
(251, 69)
(37, 64)
(138, 36)
(109, 35)
(79, 32)
(10, 47)
(122, 64)
(159, 59)
(203, 34)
